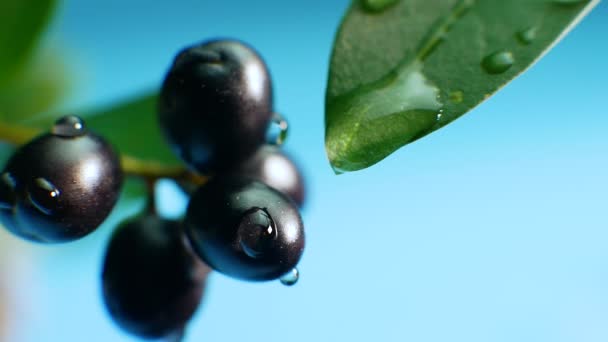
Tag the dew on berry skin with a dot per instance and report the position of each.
(256, 231)
(498, 62)
(7, 191)
(277, 130)
(69, 126)
(291, 277)
(43, 195)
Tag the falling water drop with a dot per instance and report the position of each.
(498, 62)
(277, 131)
(290, 278)
(44, 195)
(69, 126)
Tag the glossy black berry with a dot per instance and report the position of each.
(245, 229)
(272, 167)
(60, 186)
(215, 104)
(152, 281)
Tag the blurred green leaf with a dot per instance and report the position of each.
(21, 23)
(403, 69)
(133, 128)
(39, 88)
(133, 191)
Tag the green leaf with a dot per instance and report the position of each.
(37, 90)
(403, 69)
(21, 23)
(133, 128)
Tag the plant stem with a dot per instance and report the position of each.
(149, 170)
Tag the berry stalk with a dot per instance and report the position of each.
(18, 135)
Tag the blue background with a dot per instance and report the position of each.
(492, 229)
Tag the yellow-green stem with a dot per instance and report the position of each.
(150, 170)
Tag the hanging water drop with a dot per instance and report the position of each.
(527, 36)
(290, 278)
(377, 5)
(44, 195)
(498, 62)
(69, 126)
(277, 130)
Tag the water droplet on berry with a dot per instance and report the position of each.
(43, 195)
(498, 62)
(527, 36)
(7, 191)
(69, 126)
(256, 232)
(277, 130)
(290, 278)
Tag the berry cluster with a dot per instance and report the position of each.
(215, 110)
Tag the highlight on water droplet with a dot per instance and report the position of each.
(43, 195)
(277, 130)
(498, 62)
(527, 35)
(456, 96)
(377, 5)
(290, 278)
(440, 115)
(69, 126)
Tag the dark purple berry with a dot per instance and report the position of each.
(215, 104)
(272, 167)
(245, 229)
(152, 281)
(60, 186)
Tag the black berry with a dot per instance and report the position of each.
(245, 229)
(152, 282)
(272, 167)
(60, 186)
(215, 104)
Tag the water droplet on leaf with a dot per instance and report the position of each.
(69, 126)
(527, 36)
(277, 130)
(498, 62)
(377, 5)
(456, 96)
(291, 277)
(44, 195)
(568, 2)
